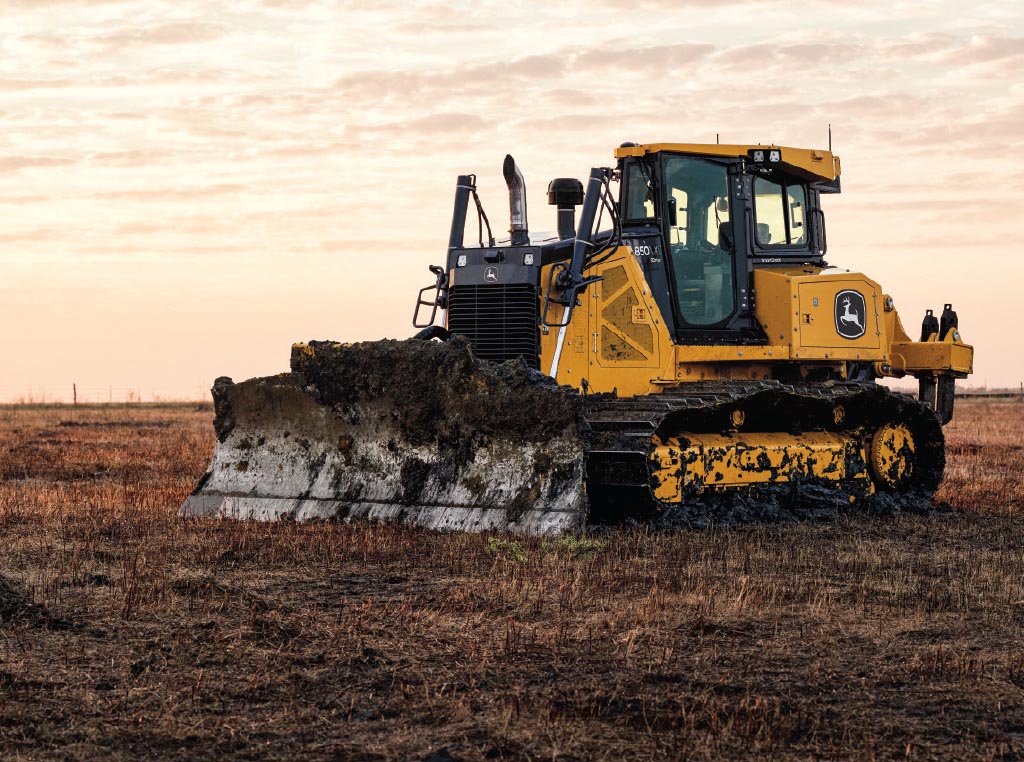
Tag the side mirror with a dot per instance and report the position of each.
(673, 217)
(725, 239)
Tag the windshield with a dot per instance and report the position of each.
(779, 210)
(697, 196)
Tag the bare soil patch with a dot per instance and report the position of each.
(128, 633)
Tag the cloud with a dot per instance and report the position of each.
(131, 158)
(34, 5)
(432, 125)
(491, 80)
(995, 55)
(671, 5)
(17, 163)
(24, 198)
(203, 135)
(37, 42)
(881, 106)
(174, 33)
(33, 235)
(142, 250)
(993, 128)
(18, 84)
(660, 58)
(916, 45)
(791, 58)
(984, 49)
(172, 194)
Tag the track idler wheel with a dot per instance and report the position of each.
(893, 453)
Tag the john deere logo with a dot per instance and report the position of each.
(851, 314)
(491, 275)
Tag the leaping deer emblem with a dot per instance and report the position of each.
(850, 317)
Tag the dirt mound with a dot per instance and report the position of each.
(16, 607)
(440, 389)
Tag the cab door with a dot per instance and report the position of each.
(698, 230)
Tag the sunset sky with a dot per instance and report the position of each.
(186, 190)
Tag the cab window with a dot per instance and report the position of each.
(639, 194)
(796, 200)
(780, 210)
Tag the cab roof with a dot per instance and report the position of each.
(816, 164)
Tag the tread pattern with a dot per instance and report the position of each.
(621, 428)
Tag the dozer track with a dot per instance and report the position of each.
(730, 451)
(423, 433)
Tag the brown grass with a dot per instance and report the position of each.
(128, 633)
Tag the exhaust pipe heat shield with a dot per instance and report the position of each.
(410, 431)
(519, 227)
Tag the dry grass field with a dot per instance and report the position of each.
(127, 633)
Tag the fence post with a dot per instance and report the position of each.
(74, 394)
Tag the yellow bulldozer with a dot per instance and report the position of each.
(683, 353)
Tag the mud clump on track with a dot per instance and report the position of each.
(788, 504)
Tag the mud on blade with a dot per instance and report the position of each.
(409, 431)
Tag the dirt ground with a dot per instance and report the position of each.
(128, 633)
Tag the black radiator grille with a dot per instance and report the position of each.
(500, 321)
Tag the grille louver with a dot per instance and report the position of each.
(500, 321)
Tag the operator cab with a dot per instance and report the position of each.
(700, 218)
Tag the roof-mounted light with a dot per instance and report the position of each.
(765, 155)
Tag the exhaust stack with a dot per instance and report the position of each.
(517, 202)
(463, 187)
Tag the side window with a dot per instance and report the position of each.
(771, 220)
(639, 195)
(797, 200)
(781, 213)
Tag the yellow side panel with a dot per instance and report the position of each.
(774, 305)
(617, 339)
(625, 323)
(821, 317)
(786, 309)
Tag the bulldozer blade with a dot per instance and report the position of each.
(405, 431)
